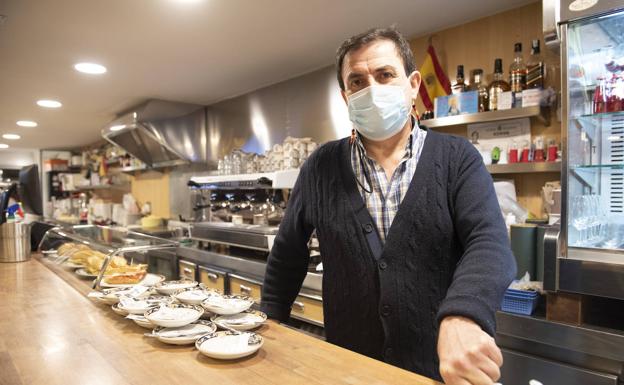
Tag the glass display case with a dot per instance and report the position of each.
(594, 70)
(99, 252)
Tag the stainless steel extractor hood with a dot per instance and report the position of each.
(161, 133)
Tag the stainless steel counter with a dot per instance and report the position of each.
(242, 266)
(557, 353)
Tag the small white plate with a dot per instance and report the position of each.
(170, 287)
(111, 296)
(141, 321)
(194, 295)
(247, 320)
(141, 305)
(184, 335)
(81, 272)
(149, 280)
(227, 345)
(119, 311)
(227, 304)
(174, 315)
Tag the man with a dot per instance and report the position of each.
(415, 252)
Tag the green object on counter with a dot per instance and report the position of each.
(495, 155)
(523, 245)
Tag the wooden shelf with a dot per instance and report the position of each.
(489, 116)
(524, 168)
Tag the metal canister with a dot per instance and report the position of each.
(14, 242)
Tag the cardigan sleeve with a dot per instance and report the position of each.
(487, 265)
(287, 264)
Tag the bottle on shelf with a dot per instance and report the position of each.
(459, 85)
(482, 91)
(518, 70)
(498, 85)
(535, 67)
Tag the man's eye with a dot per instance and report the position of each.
(356, 84)
(387, 75)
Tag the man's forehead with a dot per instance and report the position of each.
(376, 54)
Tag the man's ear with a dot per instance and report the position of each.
(414, 79)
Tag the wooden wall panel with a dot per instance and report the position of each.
(153, 187)
(476, 44)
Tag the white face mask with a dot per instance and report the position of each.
(378, 112)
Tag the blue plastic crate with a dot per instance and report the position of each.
(520, 301)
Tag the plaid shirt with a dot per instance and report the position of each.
(386, 195)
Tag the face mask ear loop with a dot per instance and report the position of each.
(362, 165)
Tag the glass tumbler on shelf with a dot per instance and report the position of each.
(579, 214)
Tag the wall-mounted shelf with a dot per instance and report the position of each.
(518, 168)
(125, 186)
(541, 113)
(278, 180)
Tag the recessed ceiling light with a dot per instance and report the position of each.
(581, 5)
(2, 145)
(26, 123)
(90, 68)
(49, 103)
(11, 136)
(118, 127)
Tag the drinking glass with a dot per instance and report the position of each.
(579, 218)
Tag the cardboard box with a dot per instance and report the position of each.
(456, 104)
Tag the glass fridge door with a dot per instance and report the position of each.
(595, 137)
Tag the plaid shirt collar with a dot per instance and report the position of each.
(383, 195)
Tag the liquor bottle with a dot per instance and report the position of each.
(459, 85)
(498, 85)
(482, 91)
(518, 70)
(535, 67)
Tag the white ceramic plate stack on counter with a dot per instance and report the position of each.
(231, 313)
(173, 310)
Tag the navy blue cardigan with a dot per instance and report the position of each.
(447, 253)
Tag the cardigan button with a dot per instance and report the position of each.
(383, 265)
(368, 228)
(388, 353)
(385, 310)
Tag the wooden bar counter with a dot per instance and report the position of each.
(51, 333)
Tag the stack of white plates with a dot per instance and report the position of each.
(194, 295)
(183, 335)
(247, 320)
(174, 315)
(141, 305)
(227, 304)
(170, 287)
(227, 345)
(141, 321)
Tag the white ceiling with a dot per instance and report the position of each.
(198, 51)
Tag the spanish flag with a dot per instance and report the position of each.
(434, 80)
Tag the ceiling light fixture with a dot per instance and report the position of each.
(581, 5)
(90, 68)
(118, 127)
(49, 103)
(2, 145)
(11, 136)
(26, 123)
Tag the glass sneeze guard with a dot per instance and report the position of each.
(111, 241)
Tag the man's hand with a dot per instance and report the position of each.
(468, 355)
